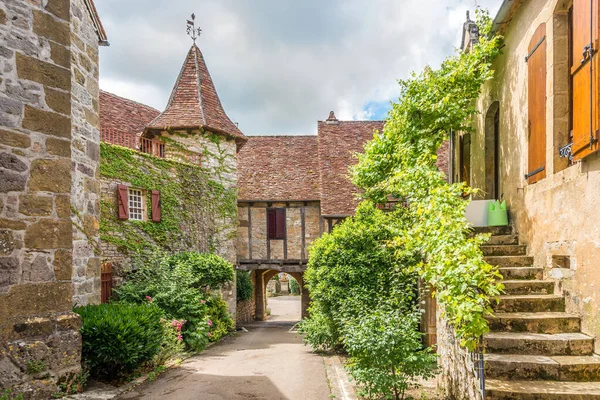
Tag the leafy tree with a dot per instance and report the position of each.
(364, 299)
(400, 162)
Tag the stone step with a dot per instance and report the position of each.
(504, 250)
(528, 287)
(494, 230)
(540, 322)
(521, 273)
(536, 367)
(502, 240)
(529, 303)
(510, 261)
(576, 344)
(541, 390)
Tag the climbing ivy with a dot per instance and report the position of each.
(197, 209)
(401, 162)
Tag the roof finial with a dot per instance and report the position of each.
(468, 15)
(192, 31)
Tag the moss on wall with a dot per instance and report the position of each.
(199, 209)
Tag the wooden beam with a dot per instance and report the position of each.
(250, 231)
(285, 236)
(267, 236)
(303, 223)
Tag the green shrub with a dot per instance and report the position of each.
(352, 270)
(179, 284)
(219, 320)
(207, 270)
(387, 354)
(294, 286)
(119, 337)
(244, 287)
(364, 300)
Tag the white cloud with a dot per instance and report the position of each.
(279, 66)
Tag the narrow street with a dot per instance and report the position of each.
(267, 362)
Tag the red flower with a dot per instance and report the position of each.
(149, 299)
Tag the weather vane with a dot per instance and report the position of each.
(192, 30)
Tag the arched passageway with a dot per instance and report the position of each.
(262, 278)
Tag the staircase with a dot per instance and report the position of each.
(535, 350)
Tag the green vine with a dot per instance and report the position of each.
(197, 209)
(401, 162)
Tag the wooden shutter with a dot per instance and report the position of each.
(271, 223)
(536, 106)
(155, 214)
(122, 202)
(280, 223)
(584, 75)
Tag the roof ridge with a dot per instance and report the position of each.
(195, 49)
(280, 135)
(130, 100)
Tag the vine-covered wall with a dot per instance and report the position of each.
(198, 203)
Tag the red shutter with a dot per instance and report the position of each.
(155, 206)
(271, 223)
(536, 70)
(280, 223)
(122, 202)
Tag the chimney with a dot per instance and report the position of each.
(332, 119)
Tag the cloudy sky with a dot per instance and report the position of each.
(281, 65)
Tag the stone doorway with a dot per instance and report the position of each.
(284, 307)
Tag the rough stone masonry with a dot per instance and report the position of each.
(48, 167)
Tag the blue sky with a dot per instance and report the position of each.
(281, 65)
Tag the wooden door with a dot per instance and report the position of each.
(536, 106)
(584, 75)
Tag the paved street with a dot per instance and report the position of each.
(267, 362)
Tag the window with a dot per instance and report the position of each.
(131, 204)
(136, 204)
(276, 223)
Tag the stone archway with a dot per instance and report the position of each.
(262, 278)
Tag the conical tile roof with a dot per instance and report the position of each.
(194, 102)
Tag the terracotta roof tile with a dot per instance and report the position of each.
(338, 141)
(279, 168)
(194, 102)
(122, 114)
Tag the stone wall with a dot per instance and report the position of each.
(557, 217)
(85, 155)
(253, 227)
(198, 204)
(37, 327)
(458, 378)
(246, 310)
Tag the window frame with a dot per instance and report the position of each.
(132, 197)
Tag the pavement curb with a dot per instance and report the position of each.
(339, 382)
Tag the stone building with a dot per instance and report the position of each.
(49, 208)
(535, 145)
(291, 190)
(169, 179)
